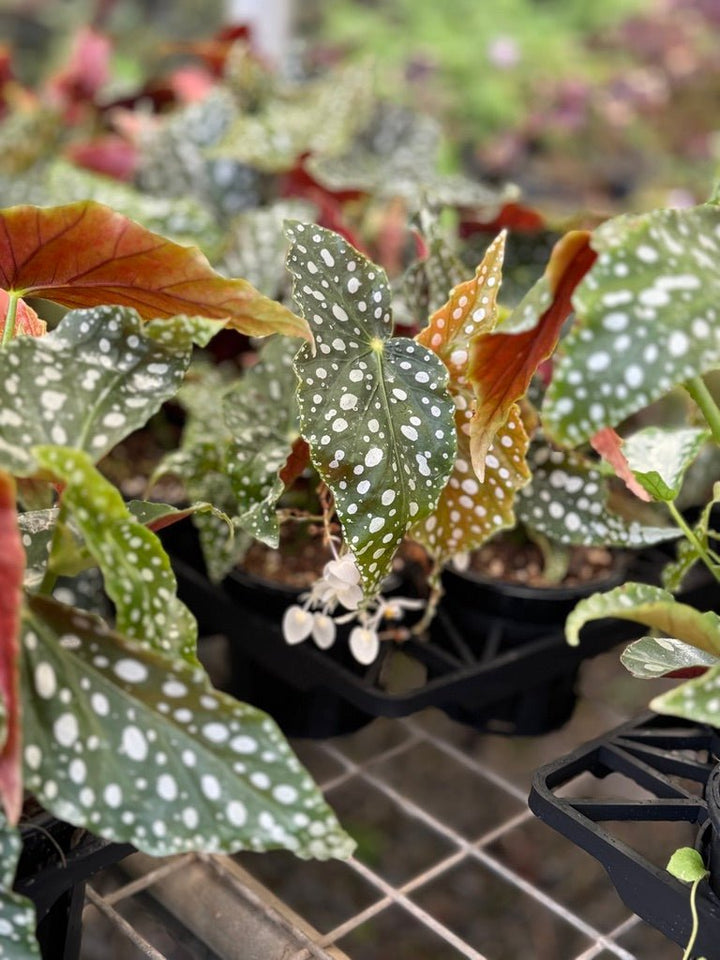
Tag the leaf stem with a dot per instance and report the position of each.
(47, 584)
(691, 536)
(698, 390)
(9, 328)
(695, 924)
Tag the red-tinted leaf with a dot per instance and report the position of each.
(502, 365)
(513, 216)
(12, 567)
(214, 52)
(688, 673)
(299, 183)
(88, 69)
(111, 155)
(27, 322)
(191, 84)
(608, 444)
(297, 461)
(84, 254)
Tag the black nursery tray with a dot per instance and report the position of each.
(56, 861)
(506, 674)
(671, 760)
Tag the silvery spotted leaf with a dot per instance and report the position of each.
(89, 383)
(374, 409)
(647, 320)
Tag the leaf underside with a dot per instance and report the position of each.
(84, 254)
(660, 457)
(469, 511)
(374, 409)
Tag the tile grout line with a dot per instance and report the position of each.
(490, 862)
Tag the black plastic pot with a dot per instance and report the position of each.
(675, 761)
(56, 862)
(501, 665)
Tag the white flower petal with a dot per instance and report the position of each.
(349, 596)
(297, 624)
(343, 569)
(323, 630)
(364, 644)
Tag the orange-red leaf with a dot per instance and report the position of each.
(84, 254)
(298, 459)
(27, 322)
(468, 511)
(12, 566)
(608, 444)
(502, 364)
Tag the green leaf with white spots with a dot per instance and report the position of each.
(137, 747)
(567, 500)
(17, 914)
(156, 515)
(659, 457)
(427, 282)
(136, 570)
(256, 245)
(374, 409)
(653, 607)
(651, 657)
(647, 316)
(686, 864)
(697, 700)
(261, 415)
(36, 531)
(88, 384)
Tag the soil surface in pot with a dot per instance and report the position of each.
(297, 563)
(512, 561)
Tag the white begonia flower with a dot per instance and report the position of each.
(364, 644)
(341, 583)
(297, 624)
(323, 630)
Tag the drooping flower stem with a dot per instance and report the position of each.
(698, 390)
(9, 328)
(47, 585)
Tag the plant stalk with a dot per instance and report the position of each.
(693, 910)
(47, 584)
(691, 536)
(698, 390)
(9, 328)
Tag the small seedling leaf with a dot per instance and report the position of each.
(687, 864)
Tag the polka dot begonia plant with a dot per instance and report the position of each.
(112, 723)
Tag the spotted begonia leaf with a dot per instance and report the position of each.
(12, 570)
(261, 414)
(675, 572)
(647, 320)
(468, 511)
(567, 500)
(89, 383)
(84, 254)
(137, 747)
(36, 531)
(137, 573)
(653, 607)
(374, 409)
(659, 457)
(698, 699)
(156, 516)
(428, 281)
(502, 363)
(17, 913)
(651, 657)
